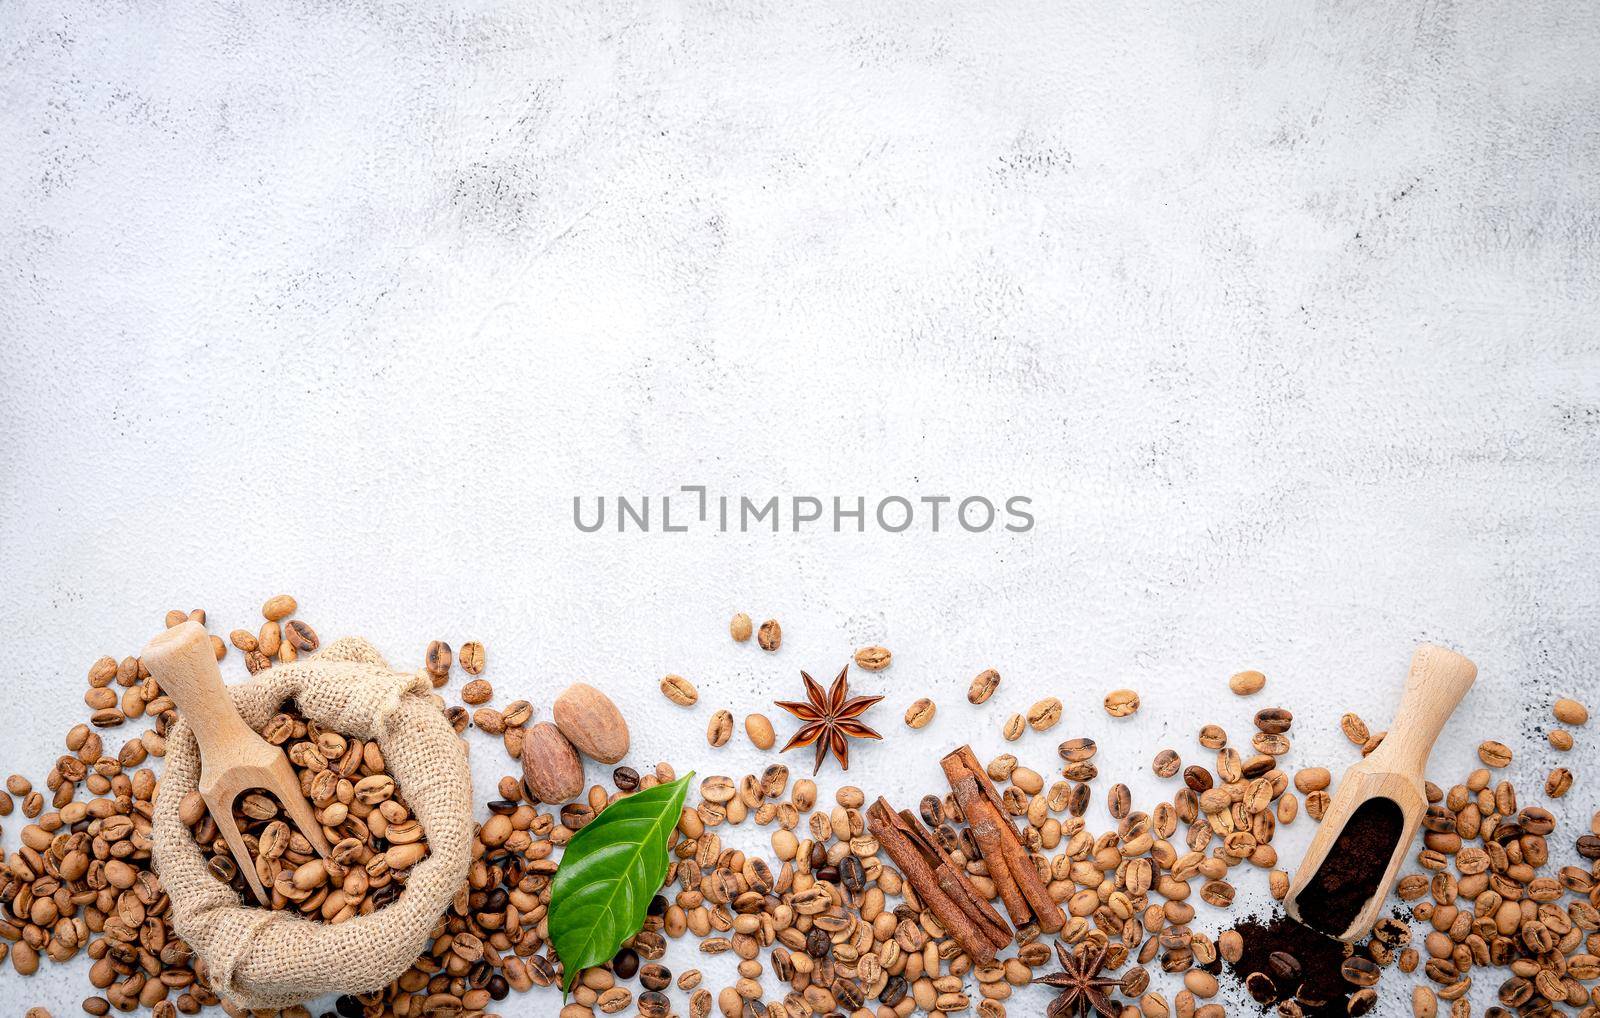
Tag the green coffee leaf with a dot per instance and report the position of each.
(608, 874)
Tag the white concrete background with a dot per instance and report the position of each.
(1285, 316)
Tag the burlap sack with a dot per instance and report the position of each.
(262, 959)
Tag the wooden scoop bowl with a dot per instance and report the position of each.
(1394, 772)
(233, 758)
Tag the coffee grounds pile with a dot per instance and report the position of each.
(1284, 960)
(1350, 875)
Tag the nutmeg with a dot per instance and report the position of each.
(592, 723)
(550, 766)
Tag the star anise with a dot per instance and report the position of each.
(830, 719)
(1082, 986)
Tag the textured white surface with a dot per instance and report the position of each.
(1283, 315)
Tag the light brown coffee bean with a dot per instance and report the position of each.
(1044, 715)
(1558, 783)
(477, 692)
(1217, 892)
(278, 607)
(873, 659)
(770, 636)
(739, 627)
(1560, 739)
(1354, 729)
(244, 639)
(1494, 754)
(437, 661)
(983, 686)
(1312, 779)
(1247, 683)
(489, 720)
(472, 657)
(1077, 750)
(1317, 805)
(1012, 730)
(1119, 801)
(1121, 703)
(720, 728)
(268, 640)
(518, 713)
(1213, 737)
(920, 713)
(759, 730)
(1167, 763)
(1570, 712)
(679, 690)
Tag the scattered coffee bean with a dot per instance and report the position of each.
(679, 690)
(1494, 754)
(1558, 783)
(771, 635)
(1570, 712)
(1247, 683)
(983, 686)
(1044, 715)
(1354, 729)
(759, 731)
(1121, 703)
(278, 607)
(873, 659)
(920, 713)
(1274, 720)
(720, 728)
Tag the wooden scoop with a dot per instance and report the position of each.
(233, 758)
(1385, 792)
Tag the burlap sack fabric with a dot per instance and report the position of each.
(261, 959)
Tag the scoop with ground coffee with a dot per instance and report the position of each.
(1354, 867)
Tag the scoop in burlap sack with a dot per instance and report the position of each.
(262, 959)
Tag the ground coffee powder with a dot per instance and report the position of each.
(1355, 865)
(1284, 960)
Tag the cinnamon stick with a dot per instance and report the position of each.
(1011, 868)
(955, 882)
(885, 825)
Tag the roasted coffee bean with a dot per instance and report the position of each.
(1077, 750)
(1274, 720)
(1119, 801)
(626, 963)
(1494, 754)
(983, 686)
(1359, 971)
(1284, 967)
(1261, 988)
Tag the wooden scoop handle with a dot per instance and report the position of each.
(184, 664)
(1438, 680)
